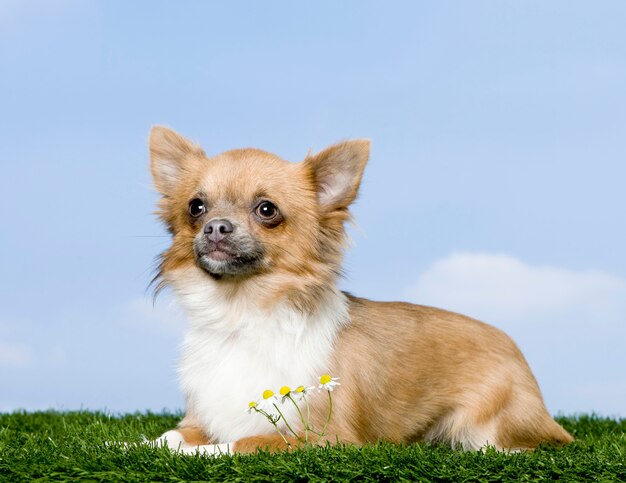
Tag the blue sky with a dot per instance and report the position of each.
(495, 186)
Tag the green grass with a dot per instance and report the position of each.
(55, 446)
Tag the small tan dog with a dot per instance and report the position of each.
(255, 257)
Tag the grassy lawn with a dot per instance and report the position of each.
(54, 446)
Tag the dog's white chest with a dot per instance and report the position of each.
(232, 354)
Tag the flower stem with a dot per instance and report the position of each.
(330, 413)
(304, 423)
(271, 420)
(308, 413)
(286, 423)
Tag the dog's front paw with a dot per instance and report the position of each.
(174, 440)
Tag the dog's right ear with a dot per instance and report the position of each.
(169, 155)
(338, 171)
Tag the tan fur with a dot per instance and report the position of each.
(271, 443)
(193, 435)
(408, 372)
(444, 374)
(291, 273)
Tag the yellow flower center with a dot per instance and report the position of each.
(300, 389)
(285, 390)
(325, 379)
(267, 394)
(252, 404)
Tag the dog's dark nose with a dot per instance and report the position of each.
(217, 230)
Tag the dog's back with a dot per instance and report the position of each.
(422, 373)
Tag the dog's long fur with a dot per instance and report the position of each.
(264, 311)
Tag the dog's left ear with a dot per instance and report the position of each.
(170, 155)
(338, 171)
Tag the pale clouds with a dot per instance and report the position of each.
(19, 349)
(504, 289)
(163, 315)
(570, 324)
(14, 355)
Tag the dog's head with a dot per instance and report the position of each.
(248, 216)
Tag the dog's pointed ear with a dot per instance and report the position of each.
(169, 155)
(338, 171)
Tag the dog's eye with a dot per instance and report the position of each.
(266, 210)
(196, 207)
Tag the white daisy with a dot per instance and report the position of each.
(285, 392)
(300, 392)
(267, 402)
(328, 383)
(252, 407)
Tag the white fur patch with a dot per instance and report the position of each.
(172, 439)
(457, 430)
(233, 351)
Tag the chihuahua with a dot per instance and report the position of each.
(256, 252)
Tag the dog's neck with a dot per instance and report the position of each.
(256, 305)
(237, 339)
